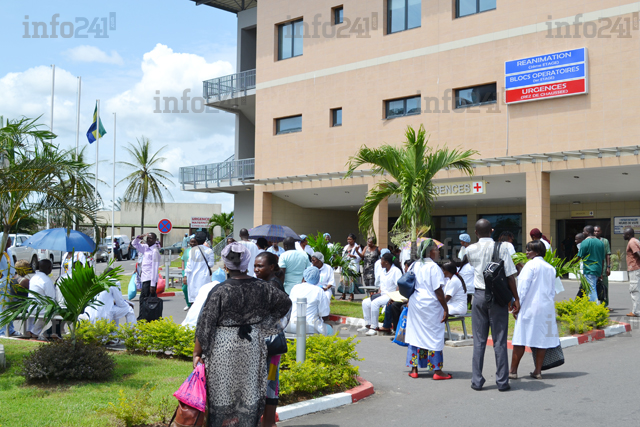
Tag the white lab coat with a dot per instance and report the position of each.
(307, 249)
(468, 273)
(327, 279)
(43, 285)
(424, 329)
(457, 305)
(536, 323)
(120, 307)
(197, 271)
(318, 306)
(66, 265)
(194, 312)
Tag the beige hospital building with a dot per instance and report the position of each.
(318, 79)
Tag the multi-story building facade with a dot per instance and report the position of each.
(318, 79)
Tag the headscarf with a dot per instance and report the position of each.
(311, 275)
(319, 256)
(23, 267)
(465, 238)
(385, 251)
(236, 257)
(426, 247)
(219, 276)
(537, 234)
(325, 235)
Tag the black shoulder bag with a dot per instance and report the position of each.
(495, 280)
(205, 259)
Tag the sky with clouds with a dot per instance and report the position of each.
(157, 49)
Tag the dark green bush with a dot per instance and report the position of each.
(60, 361)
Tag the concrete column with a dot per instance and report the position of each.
(381, 224)
(538, 185)
(262, 211)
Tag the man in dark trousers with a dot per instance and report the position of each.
(485, 314)
(149, 263)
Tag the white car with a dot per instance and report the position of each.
(54, 256)
(124, 245)
(20, 252)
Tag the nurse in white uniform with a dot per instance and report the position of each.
(327, 277)
(536, 322)
(388, 276)
(426, 314)
(455, 290)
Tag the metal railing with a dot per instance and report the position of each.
(228, 86)
(217, 174)
(217, 249)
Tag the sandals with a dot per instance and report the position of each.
(440, 377)
(343, 297)
(513, 376)
(351, 298)
(413, 374)
(537, 377)
(631, 315)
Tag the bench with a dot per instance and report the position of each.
(461, 319)
(370, 289)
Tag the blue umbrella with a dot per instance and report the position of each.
(56, 239)
(273, 233)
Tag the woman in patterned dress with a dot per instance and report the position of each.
(370, 254)
(230, 340)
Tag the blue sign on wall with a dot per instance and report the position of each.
(549, 75)
(545, 61)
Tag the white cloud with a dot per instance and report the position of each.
(191, 138)
(93, 54)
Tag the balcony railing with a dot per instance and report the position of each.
(228, 87)
(225, 174)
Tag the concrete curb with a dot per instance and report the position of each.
(348, 397)
(166, 294)
(351, 321)
(3, 359)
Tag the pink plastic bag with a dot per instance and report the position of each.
(193, 391)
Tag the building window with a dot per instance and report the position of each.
(403, 15)
(402, 107)
(471, 7)
(338, 15)
(506, 222)
(290, 36)
(477, 95)
(288, 125)
(447, 229)
(336, 117)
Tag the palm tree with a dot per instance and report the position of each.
(222, 220)
(147, 182)
(36, 176)
(412, 168)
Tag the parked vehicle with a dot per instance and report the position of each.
(124, 245)
(20, 252)
(54, 256)
(102, 255)
(176, 248)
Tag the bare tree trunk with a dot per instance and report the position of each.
(142, 219)
(414, 240)
(5, 238)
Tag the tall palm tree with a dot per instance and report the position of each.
(35, 177)
(147, 182)
(412, 168)
(222, 220)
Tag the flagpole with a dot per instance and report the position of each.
(77, 135)
(97, 144)
(113, 197)
(53, 89)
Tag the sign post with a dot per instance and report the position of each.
(165, 226)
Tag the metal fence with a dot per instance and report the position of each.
(218, 174)
(228, 86)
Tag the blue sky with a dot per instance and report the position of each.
(161, 45)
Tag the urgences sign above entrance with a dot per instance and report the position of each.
(460, 188)
(547, 76)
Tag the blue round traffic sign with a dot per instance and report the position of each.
(164, 225)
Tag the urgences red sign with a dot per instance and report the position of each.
(573, 87)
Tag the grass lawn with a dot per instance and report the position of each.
(83, 404)
(346, 308)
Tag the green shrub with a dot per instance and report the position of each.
(160, 335)
(133, 410)
(327, 367)
(381, 315)
(60, 361)
(96, 333)
(581, 315)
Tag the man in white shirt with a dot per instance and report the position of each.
(488, 313)
(42, 284)
(303, 245)
(318, 305)
(275, 249)
(251, 247)
(198, 269)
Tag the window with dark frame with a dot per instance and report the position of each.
(338, 15)
(471, 7)
(289, 125)
(402, 107)
(477, 95)
(290, 36)
(336, 117)
(403, 15)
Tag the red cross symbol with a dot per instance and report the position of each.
(478, 187)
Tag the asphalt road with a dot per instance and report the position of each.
(596, 386)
